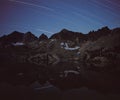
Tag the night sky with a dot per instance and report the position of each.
(51, 16)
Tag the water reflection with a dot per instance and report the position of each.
(63, 75)
(67, 75)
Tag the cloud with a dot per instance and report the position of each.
(30, 4)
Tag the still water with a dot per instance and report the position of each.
(60, 81)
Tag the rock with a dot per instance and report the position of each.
(43, 37)
(11, 38)
(29, 37)
(100, 61)
(68, 35)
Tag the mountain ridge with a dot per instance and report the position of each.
(63, 35)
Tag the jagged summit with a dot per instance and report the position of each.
(15, 33)
(65, 30)
(93, 35)
(65, 34)
(43, 37)
(15, 36)
(105, 28)
(28, 32)
(29, 37)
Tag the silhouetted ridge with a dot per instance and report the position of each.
(43, 37)
(12, 37)
(64, 35)
(29, 37)
(93, 35)
(68, 35)
(65, 30)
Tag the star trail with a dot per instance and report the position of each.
(50, 16)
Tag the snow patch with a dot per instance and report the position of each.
(66, 47)
(18, 44)
(53, 39)
(75, 48)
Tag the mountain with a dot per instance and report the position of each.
(12, 37)
(103, 50)
(29, 37)
(43, 37)
(64, 34)
(95, 62)
(100, 48)
(68, 35)
(16, 36)
(93, 35)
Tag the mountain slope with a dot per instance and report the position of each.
(12, 37)
(43, 37)
(68, 35)
(29, 37)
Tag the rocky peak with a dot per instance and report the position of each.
(93, 35)
(65, 34)
(29, 37)
(12, 37)
(105, 28)
(43, 37)
(104, 31)
(15, 34)
(64, 30)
